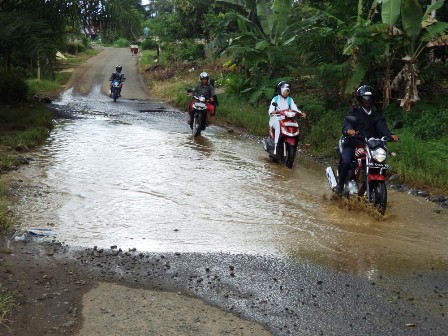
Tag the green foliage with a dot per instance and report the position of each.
(148, 44)
(328, 79)
(74, 47)
(147, 59)
(189, 50)
(122, 43)
(234, 83)
(13, 88)
(26, 123)
(431, 123)
(421, 162)
(254, 119)
(325, 133)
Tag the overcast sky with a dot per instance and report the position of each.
(145, 2)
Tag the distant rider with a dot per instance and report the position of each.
(284, 102)
(203, 88)
(117, 75)
(370, 123)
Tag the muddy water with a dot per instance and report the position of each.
(130, 174)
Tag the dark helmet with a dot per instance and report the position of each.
(203, 75)
(118, 68)
(365, 92)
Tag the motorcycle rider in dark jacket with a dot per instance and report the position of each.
(370, 122)
(117, 75)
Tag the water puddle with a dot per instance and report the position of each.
(130, 174)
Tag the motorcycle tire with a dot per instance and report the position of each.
(290, 155)
(378, 195)
(198, 124)
(114, 94)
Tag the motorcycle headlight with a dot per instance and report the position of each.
(379, 154)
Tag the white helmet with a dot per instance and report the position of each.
(203, 75)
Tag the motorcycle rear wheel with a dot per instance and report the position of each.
(378, 195)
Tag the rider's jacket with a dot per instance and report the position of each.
(282, 104)
(207, 90)
(116, 75)
(371, 124)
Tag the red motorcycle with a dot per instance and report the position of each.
(199, 109)
(367, 175)
(289, 138)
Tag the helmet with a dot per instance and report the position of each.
(203, 75)
(282, 86)
(365, 92)
(118, 68)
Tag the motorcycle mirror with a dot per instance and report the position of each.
(397, 125)
(274, 104)
(189, 90)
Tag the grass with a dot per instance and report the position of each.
(421, 163)
(6, 304)
(26, 124)
(5, 221)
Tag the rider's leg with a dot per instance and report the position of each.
(275, 124)
(344, 167)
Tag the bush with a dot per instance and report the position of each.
(324, 135)
(148, 44)
(13, 89)
(73, 48)
(122, 43)
(189, 50)
(431, 125)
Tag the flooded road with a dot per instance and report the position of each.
(130, 174)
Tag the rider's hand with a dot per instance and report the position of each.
(211, 99)
(350, 132)
(303, 114)
(394, 137)
(190, 94)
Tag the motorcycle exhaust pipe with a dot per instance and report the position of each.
(331, 178)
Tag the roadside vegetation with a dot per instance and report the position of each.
(326, 49)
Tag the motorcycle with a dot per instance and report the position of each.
(288, 140)
(199, 108)
(367, 174)
(115, 89)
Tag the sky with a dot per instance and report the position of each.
(145, 2)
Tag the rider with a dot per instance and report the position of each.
(284, 102)
(203, 88)
(370, 122)
(117, 75)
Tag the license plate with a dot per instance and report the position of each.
(289, 123)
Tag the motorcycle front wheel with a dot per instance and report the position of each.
(198, 124)
(378, 195)
(289, 155)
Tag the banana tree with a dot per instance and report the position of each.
(418, 32)
(263, 43)
(421, 32)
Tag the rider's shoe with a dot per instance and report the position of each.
(338, 190)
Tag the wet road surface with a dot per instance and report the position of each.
(130, 174)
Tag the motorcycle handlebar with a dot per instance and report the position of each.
(363, 137)
(299, 114)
